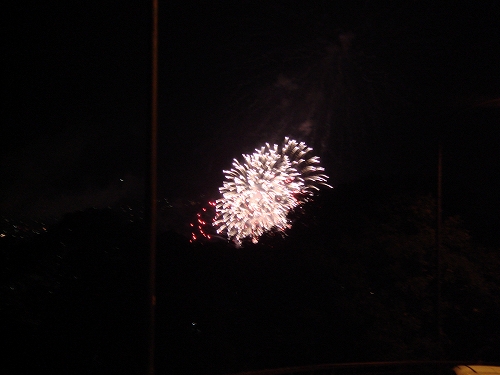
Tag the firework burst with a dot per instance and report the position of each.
(306, 165)
(259, 193)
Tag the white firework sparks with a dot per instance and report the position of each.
(307, 166)
(259, 193)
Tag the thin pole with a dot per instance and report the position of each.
(438, 249)
(153, 191)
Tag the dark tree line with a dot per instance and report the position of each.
(73, 299)
(354, 280)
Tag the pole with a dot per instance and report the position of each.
(153, 187)
(438, 249)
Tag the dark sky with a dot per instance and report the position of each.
(78, 85)
(77, 105)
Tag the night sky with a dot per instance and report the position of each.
(371, 87)
(375, 88)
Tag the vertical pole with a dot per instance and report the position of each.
(153, 187)
(438, 249)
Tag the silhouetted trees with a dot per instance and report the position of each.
(354, 280)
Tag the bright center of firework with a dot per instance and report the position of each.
(259, 193)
